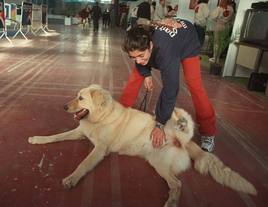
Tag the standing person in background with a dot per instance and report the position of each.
(165, 49)
(106, 19)
(144, 10)
(89, 16)
(222, 15)
(153, 7)
(200, 19)
(123, 18)
(160, 10)
(84, 14)
(96, 15)
(133, 16)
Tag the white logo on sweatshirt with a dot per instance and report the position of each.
(172, 32)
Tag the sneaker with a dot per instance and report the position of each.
(207, 143)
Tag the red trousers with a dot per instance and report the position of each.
(205, 115)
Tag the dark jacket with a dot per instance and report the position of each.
(96, 12)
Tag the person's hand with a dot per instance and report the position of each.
(158, 137)
(148, 83)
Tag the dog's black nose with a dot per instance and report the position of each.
(66, 107)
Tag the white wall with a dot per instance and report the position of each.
(232, 51)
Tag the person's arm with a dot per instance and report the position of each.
(145, 71)
(148, 83)
(204, 11)
(166, 102)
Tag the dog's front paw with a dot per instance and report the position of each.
(171, 203)
(34, 140)
(69, 182)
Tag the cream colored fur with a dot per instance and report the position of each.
(114, 128)
(207, 163)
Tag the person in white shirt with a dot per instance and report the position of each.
(222, 16)
(133, 16)
(200, 19)
(160, 11)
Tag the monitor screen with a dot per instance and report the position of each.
(255, 27)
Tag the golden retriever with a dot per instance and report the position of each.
(114, 128)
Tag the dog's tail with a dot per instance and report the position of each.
(208, 163)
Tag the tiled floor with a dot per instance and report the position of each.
(39, 75)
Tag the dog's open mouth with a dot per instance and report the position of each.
(81, 114)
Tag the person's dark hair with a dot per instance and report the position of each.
(137, 38)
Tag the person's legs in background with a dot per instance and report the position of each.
(108, 20)
(96, 24)
(216, 48)
(131, 90)
(104, 20)
(83, 21)
(201, 32)
(205, 115)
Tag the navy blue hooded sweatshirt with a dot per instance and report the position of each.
(169, 48)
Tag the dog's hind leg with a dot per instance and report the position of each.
(174, 195)
(96, 155)
(69, 135)
(174, 184)
(169, 162)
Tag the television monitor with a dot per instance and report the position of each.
(255, 27)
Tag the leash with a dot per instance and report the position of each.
(145, 101)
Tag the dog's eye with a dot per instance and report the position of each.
(80, 98)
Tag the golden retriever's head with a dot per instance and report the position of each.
(91, 102)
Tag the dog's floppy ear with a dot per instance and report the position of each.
(98, 98)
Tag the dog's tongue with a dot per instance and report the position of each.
(81, 114)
